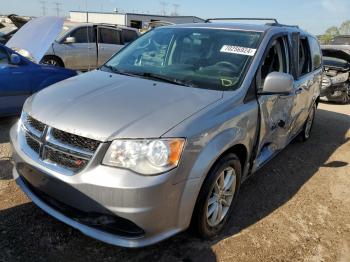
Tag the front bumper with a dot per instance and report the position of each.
(143, 209)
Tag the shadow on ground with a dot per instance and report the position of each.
(27, 233)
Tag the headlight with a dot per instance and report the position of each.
(147, 157)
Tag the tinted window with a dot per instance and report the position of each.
(315, 53)
(129, 35)
(84, 35)
(203, 58)
(304, 57)
(4, 58)
(109, 36)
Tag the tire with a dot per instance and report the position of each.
(208, 227)
(346, 97)
(52, 60)
(305, 133)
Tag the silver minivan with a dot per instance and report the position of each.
(162, 136)
(88, 46)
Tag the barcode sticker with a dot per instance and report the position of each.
(238, 50)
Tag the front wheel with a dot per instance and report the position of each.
(217, 197)
(305, 133)
(52, 60)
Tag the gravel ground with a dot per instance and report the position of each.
(297, 208)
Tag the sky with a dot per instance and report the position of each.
(314, 16)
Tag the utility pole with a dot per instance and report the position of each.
(176, 8)
(57, 8)
(163, 7)
(43, 7)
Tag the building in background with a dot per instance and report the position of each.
(138, 21)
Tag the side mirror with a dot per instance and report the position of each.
(15, 59)
(277, 83)
(70, 40)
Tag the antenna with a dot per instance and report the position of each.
(43, 7)
(57, 8)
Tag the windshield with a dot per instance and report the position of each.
(204, 58)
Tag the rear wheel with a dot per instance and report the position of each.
(217, 197)
(52, 60)
(305, 133)
(346, 97)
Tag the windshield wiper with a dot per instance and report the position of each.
(116, 70)
(165, 79)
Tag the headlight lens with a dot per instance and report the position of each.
(147, 157)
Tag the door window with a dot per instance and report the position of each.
(304, 57)
(110, 36)
(4, 58)
(316, 53)
(276, 60)
(84, 35)
(129, 35)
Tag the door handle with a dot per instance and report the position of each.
(297, 92)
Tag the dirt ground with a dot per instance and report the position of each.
(297, 208)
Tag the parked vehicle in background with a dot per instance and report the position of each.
(21, 77)
(155, 24)
(336, 81)
(341, 40)
(162, 136)
(88, 46)
(6, 33)
(8, 30)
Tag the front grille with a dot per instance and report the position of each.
(37, 125)
(65, 160)
(75, 141)
(58, 148)
(33, 144)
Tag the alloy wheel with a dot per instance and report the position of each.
(221, 196)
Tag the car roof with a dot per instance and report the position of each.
(242, 26)
(71, 24)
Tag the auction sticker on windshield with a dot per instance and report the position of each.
(238, 50)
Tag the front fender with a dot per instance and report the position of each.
(217, 146)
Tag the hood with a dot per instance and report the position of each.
(337, 51)
(36, 37)
(105, 106)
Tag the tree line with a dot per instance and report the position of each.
(334, 31)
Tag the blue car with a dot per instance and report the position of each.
(21, 73)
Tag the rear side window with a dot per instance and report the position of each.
(110, 36)
(304, 57)
(129, 35)
(315, 53)
(84, 35)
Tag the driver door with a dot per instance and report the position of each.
(14, 84)
(82, 54)
(277, 120)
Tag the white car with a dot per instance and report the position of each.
(88, 46)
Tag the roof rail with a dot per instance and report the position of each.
(242, 19)
(283, 25)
